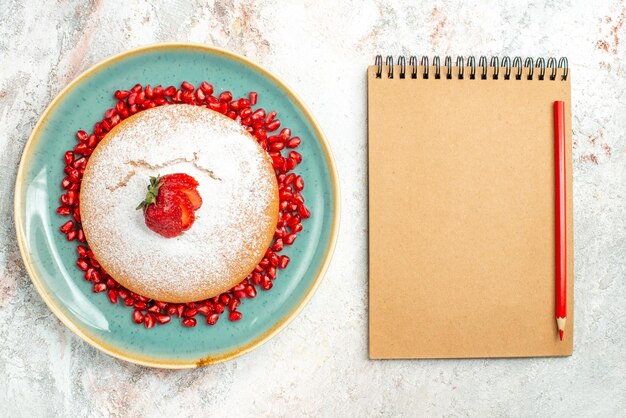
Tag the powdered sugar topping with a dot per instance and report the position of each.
(236, 183)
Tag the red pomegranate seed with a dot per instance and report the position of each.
(304, 212)
(81, 149)
(163, 319)
(277, 146)
(189, 322)
(293, 142)
(63, 210)
(253, 97)
(82, 264)
(204, 309)
(68, 157)
(234, 304)
(212, 319)
(224, 299)
(109, 113)
(299, 183)
(140, 305)
(235, 316)
(136, 88)
(149, 92)
(170, 91)
(185, 85)
(191, 312)
(289, 239)
(250, 291)
(129, 301)
(112, 296)
(121, 94)
(149, 320)
(172, 310)
(271, 272)
(278, 245)
(123, 293)
(81, 136)
(283, 262)
(80, 235)
(200, 96)
(219, 308)
(225, 97)
(273, 125)
(137, 316)
(206, 88)
(161, 305)
(257, 115)
(99, 287)
(154, 309)
(67, 226)
(158, 91)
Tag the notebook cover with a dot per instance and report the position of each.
(462, 217)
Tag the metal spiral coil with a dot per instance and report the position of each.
(539, 69)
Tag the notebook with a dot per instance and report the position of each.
(462, 207)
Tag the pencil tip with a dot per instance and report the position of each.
(561, 334)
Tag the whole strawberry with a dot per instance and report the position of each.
(170, 204)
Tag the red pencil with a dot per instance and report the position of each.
(561, 265)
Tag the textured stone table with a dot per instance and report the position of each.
(318, 366)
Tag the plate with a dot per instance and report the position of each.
(50, 259)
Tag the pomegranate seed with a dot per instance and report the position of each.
(67, 226)
(99, 287)
(121, 94)
(149, 92)
(109, 113)
(271, 272)
(304, 212)
(240, 294)
(80, 235)
(136, 88)
(63, 210)
(137, 316)
(189, 313)
(200, 96)
(277, 146)
(189, 322)
(122, 293)
(161, 305)
(172, 310)
(293, 142)
(149, 320)
(82, 264)
(273, 125)
(140, 305)
(112, 296)
(235, 316)
(219, 308)
(225, 97)
(129, 301)
(185, 85)
(299, 183)
(278, 245)
(163, 319)
(204, 309)
(224, 299)
(234, 304)
(206, 88)
(257, 115)
(81, 149)
(253, 97)
(250, 291)
(68, 157)
(283, 261)
(154, 309)
(81, 136)
(170, 91)
(212, 319)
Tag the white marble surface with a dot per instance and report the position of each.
(318, 366)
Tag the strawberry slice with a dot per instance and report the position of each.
(193, 196)
(170, 204)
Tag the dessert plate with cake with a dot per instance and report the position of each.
(181, 206)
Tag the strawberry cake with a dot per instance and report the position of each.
(179, 203)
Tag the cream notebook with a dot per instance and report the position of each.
(462, 208)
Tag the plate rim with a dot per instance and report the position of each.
(110, 349)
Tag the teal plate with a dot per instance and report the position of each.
(50, 259)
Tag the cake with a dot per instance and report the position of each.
(232, 228)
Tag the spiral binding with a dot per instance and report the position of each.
(540, 68)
